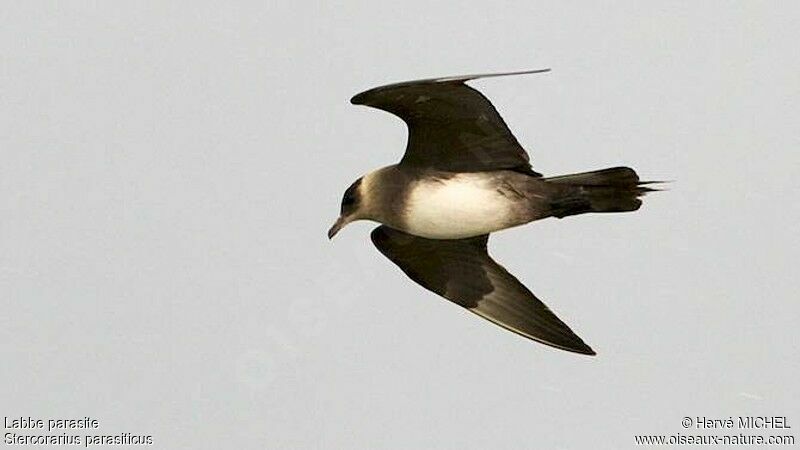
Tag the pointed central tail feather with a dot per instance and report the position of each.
(616, 189)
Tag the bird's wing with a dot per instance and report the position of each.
(462, 271)
(451, 126)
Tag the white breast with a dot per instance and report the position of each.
(465, 205)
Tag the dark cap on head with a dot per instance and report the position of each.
(350, 203)
(351, 198)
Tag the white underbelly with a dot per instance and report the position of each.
(463, 206)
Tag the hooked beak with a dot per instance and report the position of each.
(338, 225)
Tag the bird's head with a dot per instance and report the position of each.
(352, 208)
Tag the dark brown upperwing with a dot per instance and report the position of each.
(462, 271)
(451, 126)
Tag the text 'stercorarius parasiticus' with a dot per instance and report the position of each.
(463, 176)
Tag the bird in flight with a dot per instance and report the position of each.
(463, 176)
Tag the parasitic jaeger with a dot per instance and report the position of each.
(463, 176)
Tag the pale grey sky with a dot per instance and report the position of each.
(169, 171)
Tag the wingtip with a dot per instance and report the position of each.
(573, 344)
(582, 349)
(357, 99)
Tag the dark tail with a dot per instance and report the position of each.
(609, 190)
